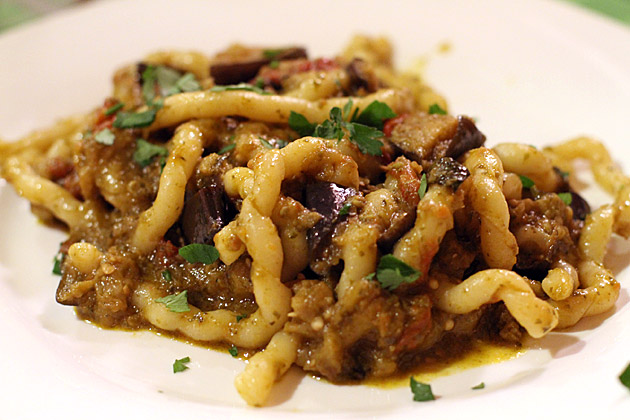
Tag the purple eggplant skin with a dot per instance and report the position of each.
(327, 199)
(467, 137)
(204, 215)
(233, 72)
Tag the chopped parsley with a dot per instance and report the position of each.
(527, 182)
(265, 143)
(479, 386)
(392, 272)
(167, 81)
(180, 364)
(421, 391)
(422, 190)
(227, 148)
(566, 197)
(272, 53)
(114, 109)
(345, 209)
(436, 109)
(374, 114)
(105, 137)
(274, 64)
(240, 86)
(166, 275)
(363, 130)
(188, 83)
(202, 253)
(145, 152)
(135, 119)
(176, 303)
(57, 264)
(625, 377)
(233, 351)
(241, 317)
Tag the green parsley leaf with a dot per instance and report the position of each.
(188, 83)
(114, 109)
(300, 124)
(167, 79)
(563, 174)
(422, 190)
(392, 272)
(566, 197)
(436, 109)
(421, 391)
(274, 64)
(240, 86)
(202, 253)
(527, 182)
(271, 53)
(176, 303)
(227, 148)
(265, 143)
(233, 351)
(345, 209)
(166, 275)
(625, 377)
(148, 84)
(57, 264)
(479, 386)
(366, 138)
(135, 119)
(346, 109)
(105, 137)
(145, 152)
(374, 114)
(241, 317)
(180, 364)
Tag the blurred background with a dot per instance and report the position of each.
(16, 12)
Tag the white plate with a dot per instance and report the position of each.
(530, 71)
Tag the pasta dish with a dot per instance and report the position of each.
(328, 213)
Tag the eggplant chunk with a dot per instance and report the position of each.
(327, 199)
(204, 215)
(244, 67)
(426, 138)
(448, 172)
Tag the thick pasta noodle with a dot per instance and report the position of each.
(321, 212)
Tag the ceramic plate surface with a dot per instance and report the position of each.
(535, 72)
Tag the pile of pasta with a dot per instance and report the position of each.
(322, 212)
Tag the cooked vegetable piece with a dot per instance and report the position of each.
(327, 199)
(243, 70)
(204, 215)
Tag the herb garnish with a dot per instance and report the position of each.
(392, 272)
(202, 253)
(625, 377)
(240, 86)
(241, 317)
(233, 350)
(436, 109)
(422, 190)
(479, 386)
(166, 275)
(180, 364)
(363, 130)
(271, 53)
(265, 143)
(105, 137)
(176, 303)
(527, 182)
(421, 391)
(145, 152)
(345, 209)
(227, 148)
(57, 264)
(114, 109)
(135, 119)
(566, 197)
